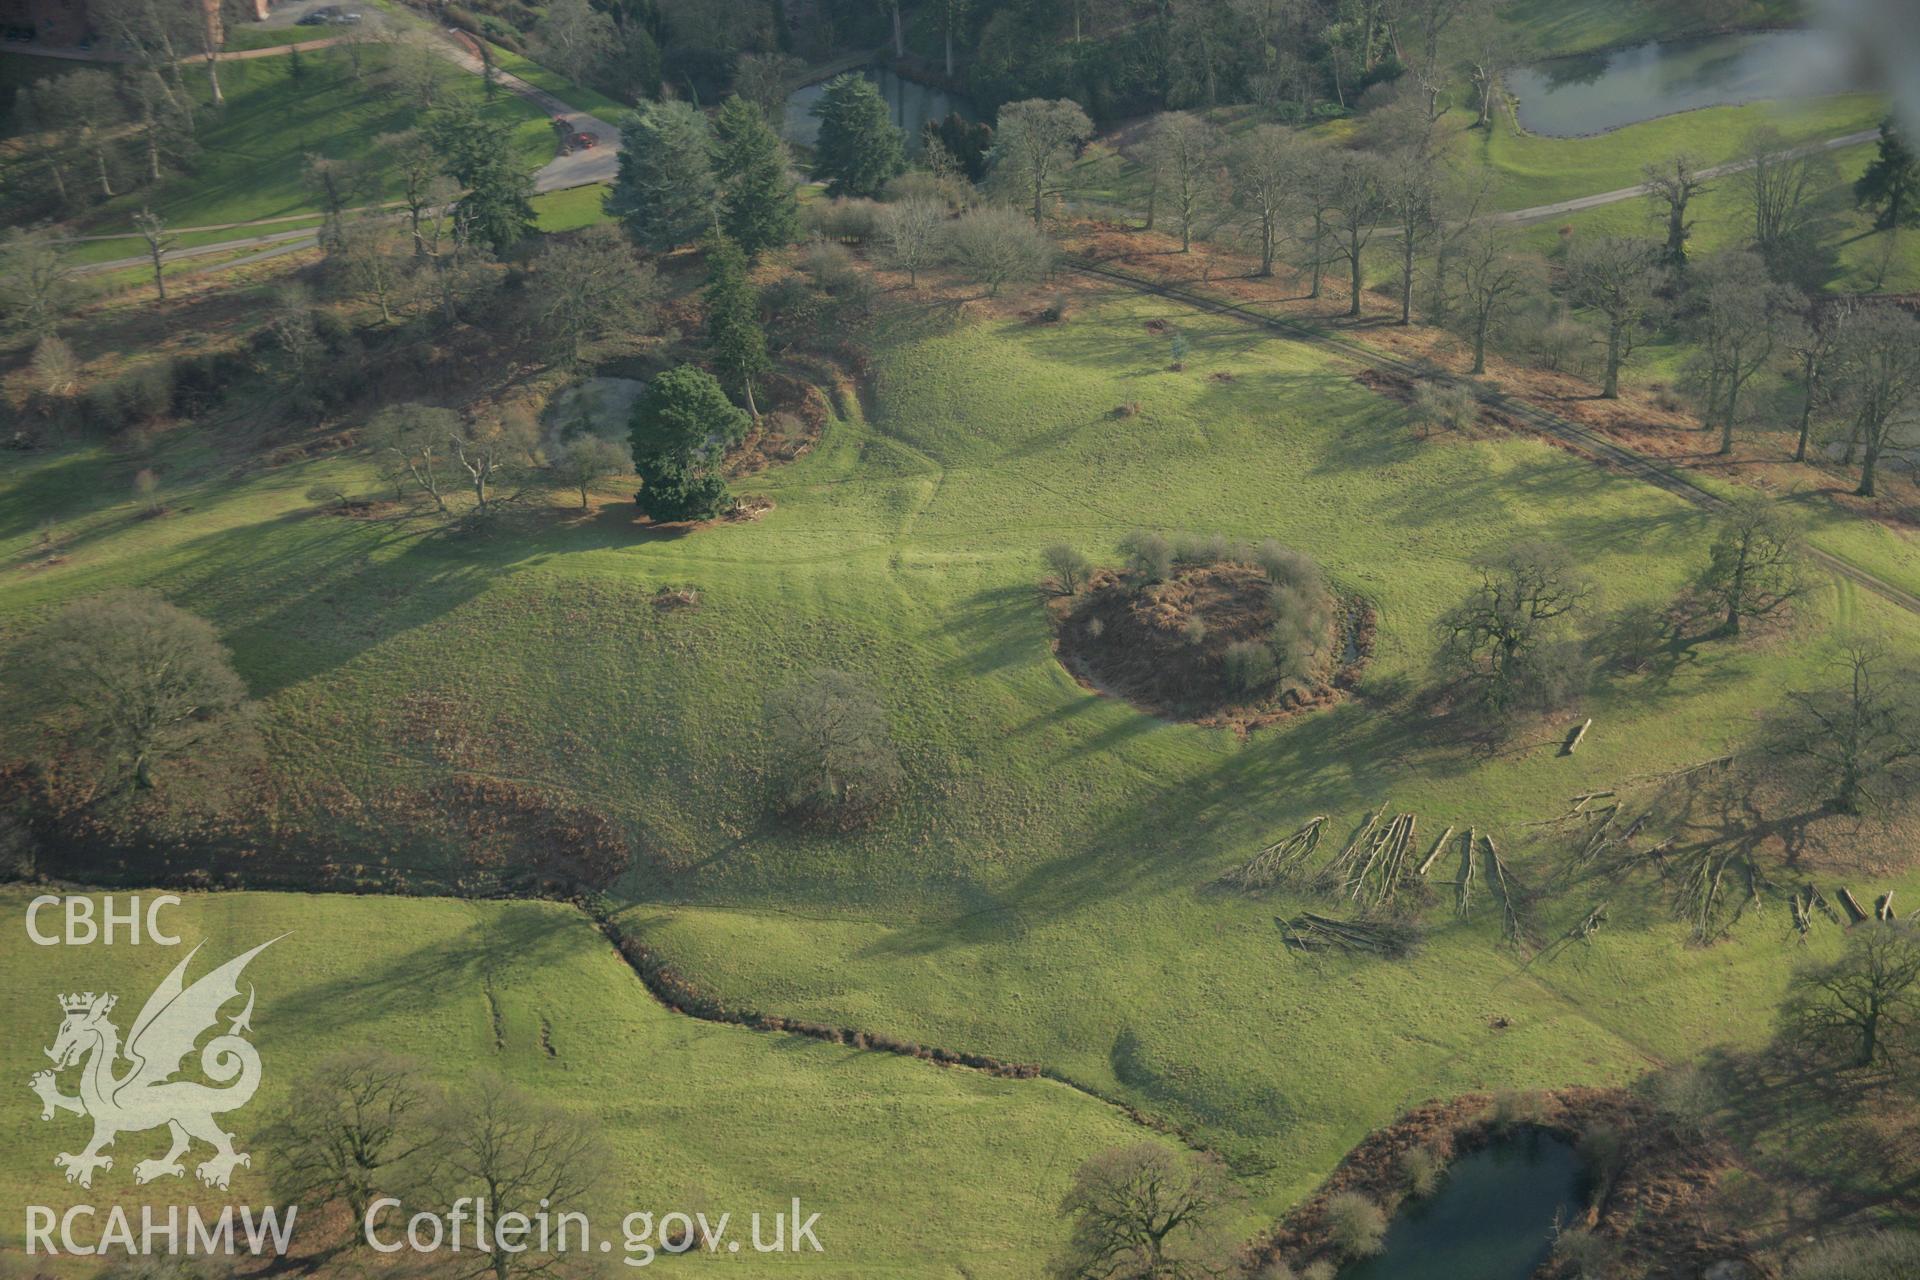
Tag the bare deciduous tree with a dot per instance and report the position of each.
(346, 1128)
(1853, 742)
(154, 231)
(370, 261)
(831, 747)
(1783, 184)
(1671, 186)
(1756, 562)
(424, 185)
(574, 39)
(1878, 363)
(1033, 148)
(1147, 1213)
(140, 683)
(765, 80)
(1068, 566)
(1413, 195)
(914, 233)
(1499, 638)
(1863, 1005)
(1744, 319)
(415, 437)
(1494, 280)
(1813, 344)
(1354, 188)
(1493, 47)
(588, 287)
(36, 282)
(587, 458)
(996, 246)
(1617, 277)
(493, 1141)
(1267, 166)
(86, 104)
(1182, 152)
(492, 446)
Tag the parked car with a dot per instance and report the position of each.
(586, 141)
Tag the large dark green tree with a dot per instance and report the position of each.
(665, 192)
(1891, 184)
(497, 208)
(859, 150)
(733, 319)
(680, 429)
(757, 207)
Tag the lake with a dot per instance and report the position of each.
(912, 105)
(1491, 1219)
(1592, 93)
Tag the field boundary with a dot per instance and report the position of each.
(679, 995)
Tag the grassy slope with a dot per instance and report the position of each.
(1033, 895)
(571, 209)
(253, 153)
(577, 96)
(1722, 220)
(1535, 170)
(916, 1169)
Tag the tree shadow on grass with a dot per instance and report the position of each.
(441, 974)
(1836, 1148)
(303, 594)
(1162, 842)
(990, 629)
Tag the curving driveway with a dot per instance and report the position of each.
(576, 169)
(1541, 212)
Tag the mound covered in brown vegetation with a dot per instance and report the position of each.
(1226, 642)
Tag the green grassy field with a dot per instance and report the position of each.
(571, 209)
(253, 153)
(85, 252)
(1035, 893)
(915, 1169)
(577, 96)
(1859, 258)
(1534, 170)
(1523, 171)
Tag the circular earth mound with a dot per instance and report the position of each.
(1214, 644)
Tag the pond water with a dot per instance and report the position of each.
(1592, 93)
(911, 103)
(1491, 1219)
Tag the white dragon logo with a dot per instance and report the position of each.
(146, 1096)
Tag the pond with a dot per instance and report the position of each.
(1592, 93)
(1491, 1219)
(912, 105)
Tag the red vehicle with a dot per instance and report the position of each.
(586, 141)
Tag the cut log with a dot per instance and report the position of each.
(1509, 910)
(1337, 874)
(1282, 861)
(1883, 907)
(1585, 930)
(1573, 739)
(1848, 901)
(1463, 886)
(1433, 855)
